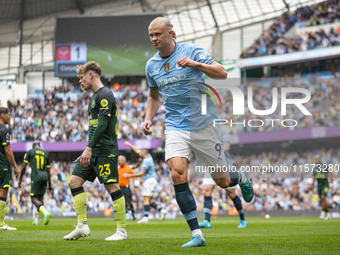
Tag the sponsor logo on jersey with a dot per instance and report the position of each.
(94, 122)
(171, 79)
(104, 102)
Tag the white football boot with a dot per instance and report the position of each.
(6, 227)
(144, 220)
(163, 213)
(322, 215)
(328, 216)
(118, 236)
(81, 231)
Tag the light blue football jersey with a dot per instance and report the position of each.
(149, 166)
(181, 88)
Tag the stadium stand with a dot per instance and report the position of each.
(265, 46)
(60, 116)
(271, 192)
(274, 40)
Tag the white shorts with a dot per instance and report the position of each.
(207, 180)
(205, 144)
(149, 187)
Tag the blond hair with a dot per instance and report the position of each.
(161, 21)
(89, 66)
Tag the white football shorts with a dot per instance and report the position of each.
(149, 187)
(205, 144)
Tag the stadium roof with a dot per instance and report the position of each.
(32, 22)
(199, 18)
(12, 10)
(191, 18)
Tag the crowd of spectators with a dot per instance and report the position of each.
(59, 116)
(272, 191)
(63, 116)
(324, 104)
(51, 116)
(325, 13)
(273, 41)
(301, 42)
(131, 113)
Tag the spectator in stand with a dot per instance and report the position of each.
(65, 121)
(271, 192)
(273, 41)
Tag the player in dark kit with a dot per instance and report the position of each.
(37, 158)
(6, 160)
(320, 174)
(99, 159)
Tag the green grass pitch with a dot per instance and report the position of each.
(131, 60)
(262, 236)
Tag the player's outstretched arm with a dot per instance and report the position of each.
(152, 106)
(134, 148)
(213, 70)
(140, 174)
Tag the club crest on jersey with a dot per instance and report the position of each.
(166, 67)
(93, 104)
